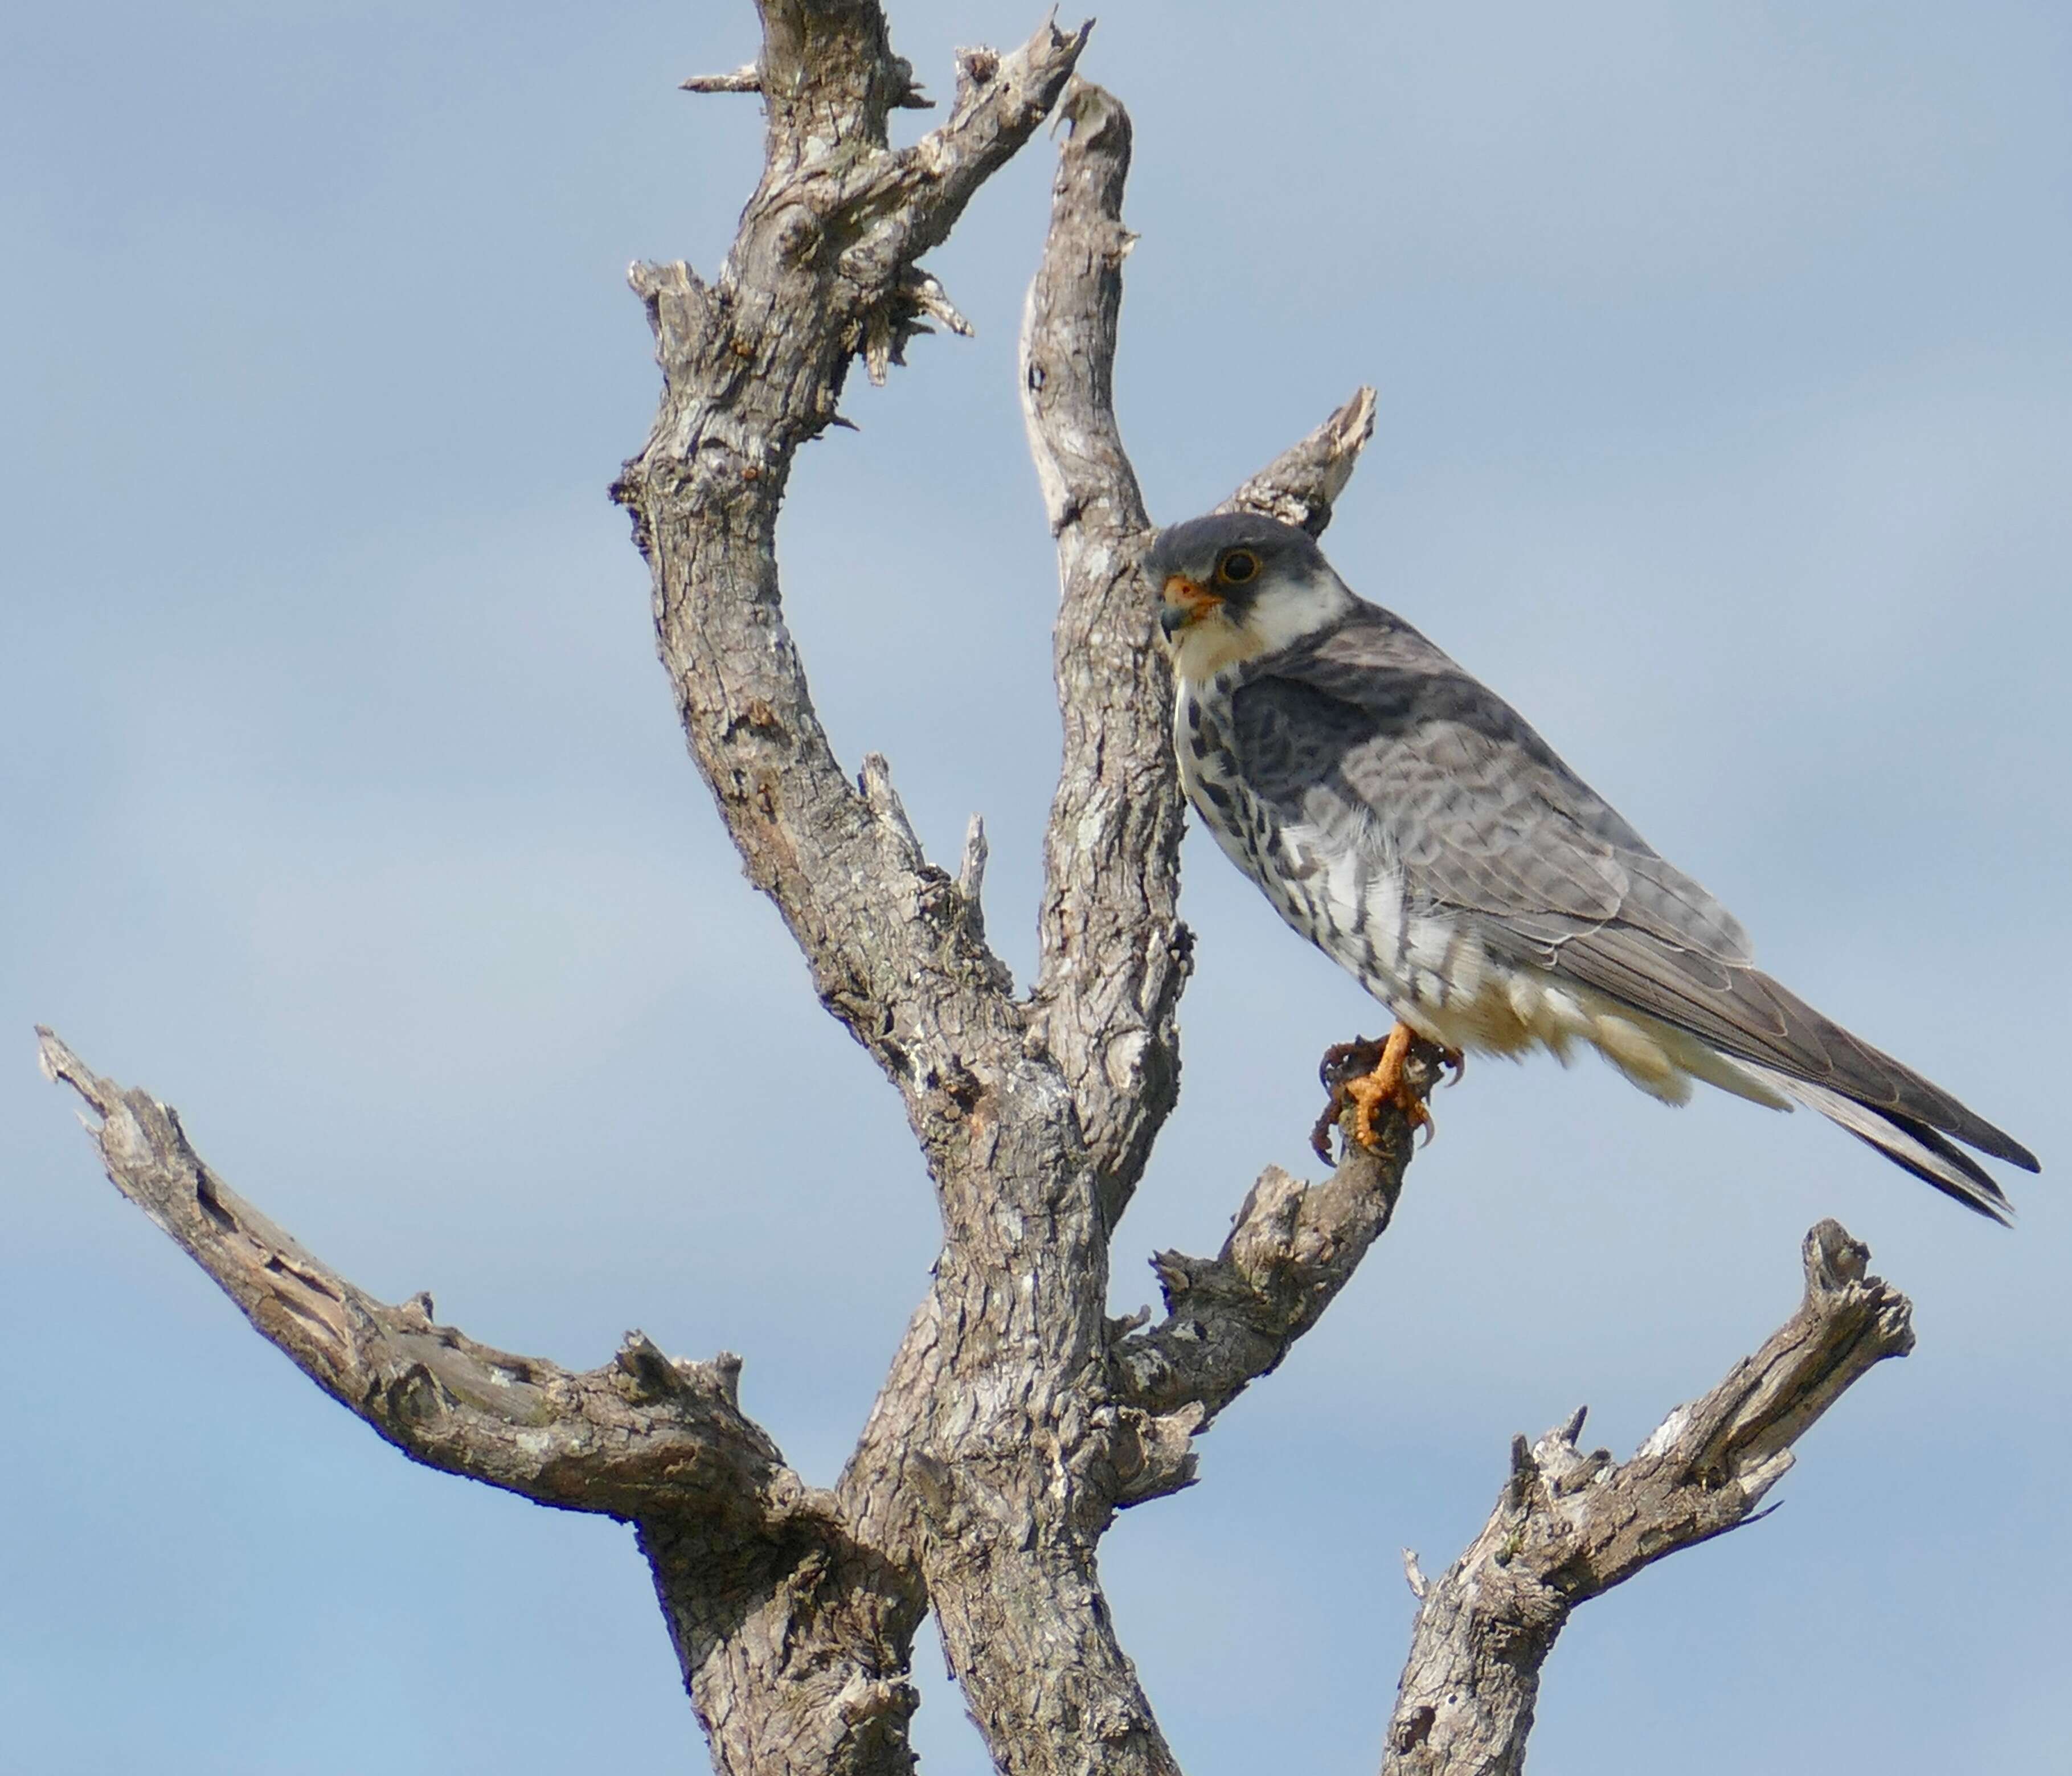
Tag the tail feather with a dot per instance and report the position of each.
(1904, 1140)
(1741, 1012)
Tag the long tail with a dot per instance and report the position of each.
(1755, 1023)
(1923, 1151)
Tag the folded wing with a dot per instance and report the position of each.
(1372, 730)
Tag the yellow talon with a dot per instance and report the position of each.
(1384, 1085)
(1368, 1091)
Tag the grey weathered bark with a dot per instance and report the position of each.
(1017, 1418)
(1569, 1526)
(792, 1636)
(640, 1434)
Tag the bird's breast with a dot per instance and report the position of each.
(1324, 870)
(1317, 873)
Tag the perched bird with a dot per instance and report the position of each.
(1409, 823)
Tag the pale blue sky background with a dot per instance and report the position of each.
(1725, 361)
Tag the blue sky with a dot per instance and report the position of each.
(1724, 355)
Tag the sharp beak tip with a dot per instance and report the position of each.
(1184, 601)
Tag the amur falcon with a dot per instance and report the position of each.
(1410, 824)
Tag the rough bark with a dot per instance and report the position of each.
(789, 1632)
(1016, 1417)
(1232, 1318)
(1114, 953)
(641, 1434)
(1569, 1526)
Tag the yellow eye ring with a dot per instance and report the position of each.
(1237, 567)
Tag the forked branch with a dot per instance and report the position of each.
(823, 269)
(1569, 1526)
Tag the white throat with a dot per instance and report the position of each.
(1288, 609)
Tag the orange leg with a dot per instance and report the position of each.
(1367, 1090)
(1384, 1085)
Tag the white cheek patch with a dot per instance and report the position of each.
(1287, 609)
(1291, 609)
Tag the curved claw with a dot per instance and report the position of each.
(1385, 1085)
(1367, 1074)
(1332, 1069)
(1342, 1063)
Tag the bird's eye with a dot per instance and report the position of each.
(1240, 566)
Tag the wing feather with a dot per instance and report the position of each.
(1370, 725)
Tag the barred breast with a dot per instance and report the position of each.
(1335, 897)
(1433, 972)
(1250, 832)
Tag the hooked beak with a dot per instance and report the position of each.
(1186, 601)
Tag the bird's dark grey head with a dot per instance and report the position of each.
(1236, 586)
(1232, 554)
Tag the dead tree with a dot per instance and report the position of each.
(1018, 1418)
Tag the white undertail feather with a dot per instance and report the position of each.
(1511, 1008)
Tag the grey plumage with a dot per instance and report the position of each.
(1412, 824)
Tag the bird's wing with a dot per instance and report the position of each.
(1372, 734)
(1376, 735)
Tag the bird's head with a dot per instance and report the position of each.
(1236, 586)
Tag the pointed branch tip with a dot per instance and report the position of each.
(1414, 1574)
(971, 869)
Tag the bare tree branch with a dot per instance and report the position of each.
(1115, 955)
(642, 1434)
(794, 1639)
(1232, 1318)
(1299, 486)
(1569, 1526)
(746, 78)
(821, 270)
